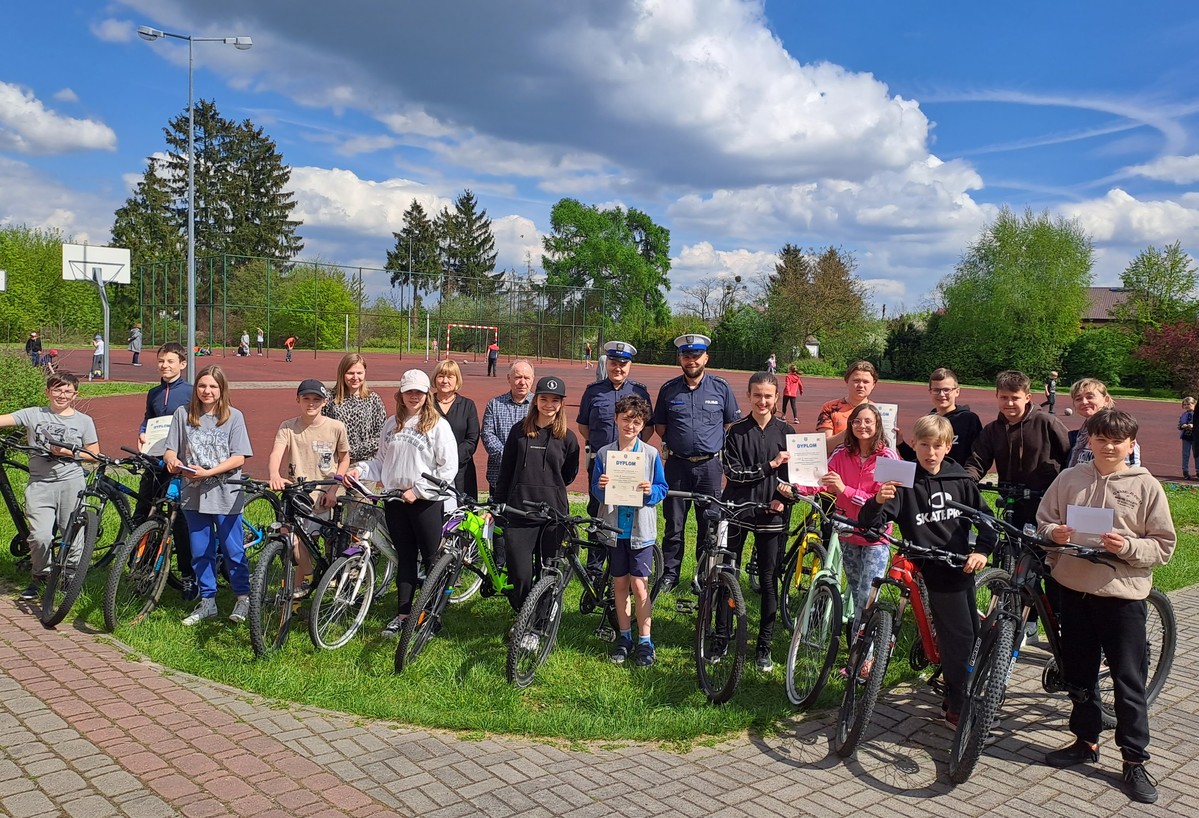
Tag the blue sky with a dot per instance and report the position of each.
(893, 130)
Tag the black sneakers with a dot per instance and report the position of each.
(623, 648)
(644, 655)
(1139, 785)
(1080, 752)
(32, 592)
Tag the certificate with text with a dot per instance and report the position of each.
(626, 473)
(889, 412)
(156, 431)
(808, 460)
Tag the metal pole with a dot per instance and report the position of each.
(191, 221)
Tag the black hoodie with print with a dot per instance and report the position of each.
(966, 429)
(926, 520)
(537, 468)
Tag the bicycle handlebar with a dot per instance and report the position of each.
(912, 550)
(534, 510)
(1029, 538)
(730, 507)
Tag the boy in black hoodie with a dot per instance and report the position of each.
(926, 520)
(944, 390)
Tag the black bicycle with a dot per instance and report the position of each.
(10, 446)
(536, 630)
(1014, 597)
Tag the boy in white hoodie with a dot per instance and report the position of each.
(1104, 609)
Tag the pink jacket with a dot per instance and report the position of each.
(858, 475)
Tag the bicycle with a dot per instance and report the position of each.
(466, 535)
(343, 596)
(825, 609)
(18, 546)
(536, 629)
(71, 555)
(802, 561)
(871, 648)
(1009, 496)
(1014, 597)
(721, 613)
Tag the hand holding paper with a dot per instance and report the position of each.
(902, 472)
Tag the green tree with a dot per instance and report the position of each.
(146, 226)
(620, 253)
(1101, 353)
(1160, 285)
(1015, 299)
(416, 258)
(468, 254)
(816, 294)
(315, 301)
(37, 297)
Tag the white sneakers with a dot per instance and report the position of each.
(205, 610)
(241, 609)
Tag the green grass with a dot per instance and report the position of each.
(458, 683)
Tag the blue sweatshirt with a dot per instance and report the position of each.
(162, 401)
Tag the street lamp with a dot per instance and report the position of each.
(241, 44)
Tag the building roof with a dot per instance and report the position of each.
(1103, 301)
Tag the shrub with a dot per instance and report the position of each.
(24, 385)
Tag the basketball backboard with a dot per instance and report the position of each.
(82, 262)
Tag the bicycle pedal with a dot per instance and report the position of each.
(606, 633)
(685, 606)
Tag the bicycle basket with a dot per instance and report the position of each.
(361, 518)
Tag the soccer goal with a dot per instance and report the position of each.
(468, 343)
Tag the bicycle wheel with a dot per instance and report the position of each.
(116, 523)
(69, 570)
(868, 659)
(1161, 640)
(655, 576)
(805, 559)
(755, 584)
(985, 689)
(988, 583)
(470, 579)
(720, 636)
(271, 605)
(424, 621)
(341, 601)
(259, 511)
(534, 633)
(138, 574)
(814, 645)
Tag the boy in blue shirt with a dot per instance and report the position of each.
(631, 558)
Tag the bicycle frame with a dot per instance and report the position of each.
(482, 532)
(16, 509)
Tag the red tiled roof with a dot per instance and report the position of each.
(1103, 300)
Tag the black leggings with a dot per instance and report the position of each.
(415, 529)
(769, 545)
(522, 542)
(794, 405)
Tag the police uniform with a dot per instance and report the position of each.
(694, 421)
(597, 411)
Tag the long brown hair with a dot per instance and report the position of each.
(557, 427)
(195, 409)
(428, 413)
(876, 443)
(340, 393)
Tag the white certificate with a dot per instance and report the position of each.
(809, 459)
(156, 431)
(889, 412)
(1089, 520)
(887, 470)
(626, 473)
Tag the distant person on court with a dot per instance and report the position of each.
(596, 421)
(463, 416)
(289, 344)
(360, 409)
(261, 340)
(493, 357)
(135, 341)
(587, 355)
(772, 364)
(944, 390)
(97, 370)
(861, 378)
(33, 348)
(691, 415)
(1186, 433)
(1050, 391)
(1103, 607)
(792, 389)
(243, 345)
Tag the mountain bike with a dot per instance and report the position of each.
(871, 649)
(825, 608)
(344, 594)
(721, 624)
(536, 629)
(71, 554)
(1014, 598)
(466, 535)
(10, 444)
(1009, 496)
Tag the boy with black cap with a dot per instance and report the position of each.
(316, 447)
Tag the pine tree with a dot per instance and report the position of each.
(416, 257)
(470, 246)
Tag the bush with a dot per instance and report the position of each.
(1098, 353)
(24, 385)
(820, 368)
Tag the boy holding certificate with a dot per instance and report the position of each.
(1103, 606)
(630, 557)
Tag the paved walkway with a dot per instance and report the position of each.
(88, 730)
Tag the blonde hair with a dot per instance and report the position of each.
(452, 368)
(934, 428)
(340, 393)
(195, 409)
(1084, 384)
(1188, 401)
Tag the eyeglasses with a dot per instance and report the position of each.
(861, 422)
(65, 391)
(942, 390)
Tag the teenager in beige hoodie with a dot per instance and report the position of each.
(1104, 609)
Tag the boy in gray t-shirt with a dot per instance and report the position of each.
(56, 478)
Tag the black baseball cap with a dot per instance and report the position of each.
(550, 386)
(312, 386)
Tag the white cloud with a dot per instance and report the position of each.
(1120, 218)
(110, 30)
(701, 261)
(1180, 170)
(26, 126)
(27, 197)
(66, 95)
(334, 198)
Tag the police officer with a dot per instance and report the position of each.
(597, 419)
(691, 415)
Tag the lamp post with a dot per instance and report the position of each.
(241, 44)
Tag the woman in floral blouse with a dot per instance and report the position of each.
(357, 407)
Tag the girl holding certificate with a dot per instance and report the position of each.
(755, 463)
